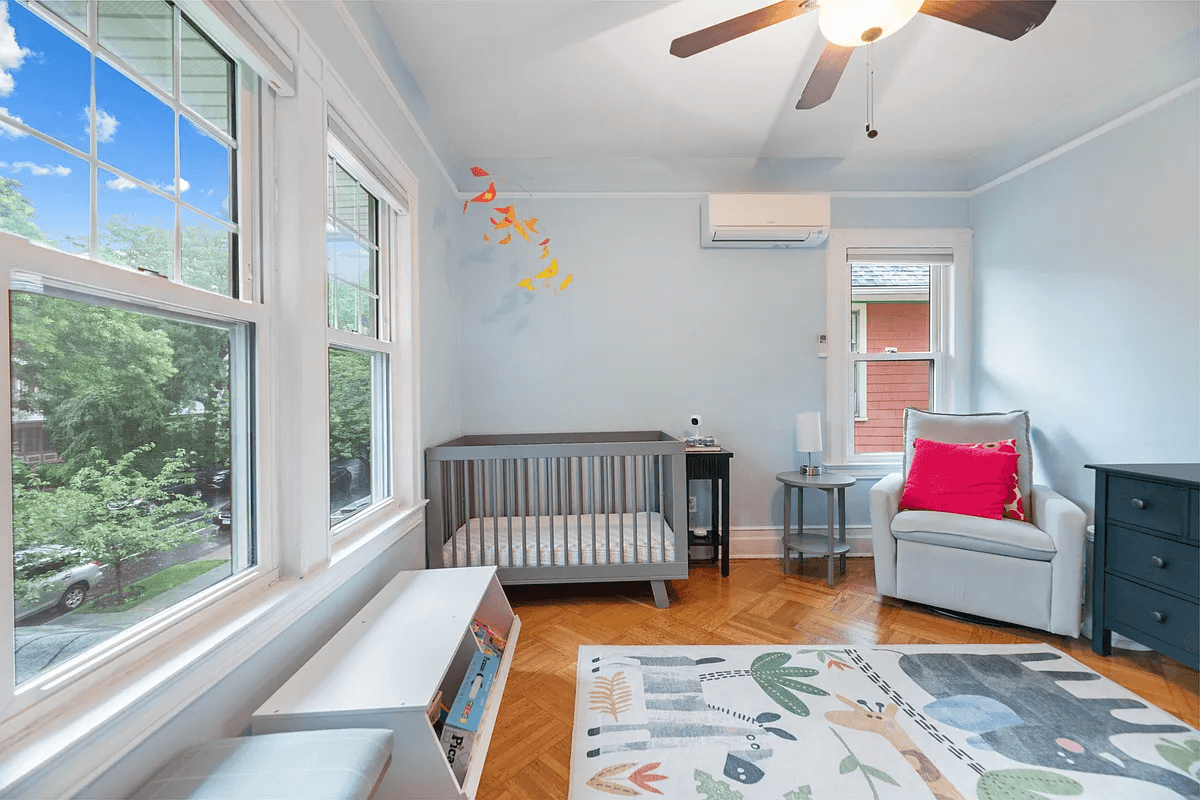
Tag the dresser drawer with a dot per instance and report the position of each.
(1136, 606)
(1138, 555)
(1156, 506)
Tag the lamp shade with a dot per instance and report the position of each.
(850, 23)
(808, 432)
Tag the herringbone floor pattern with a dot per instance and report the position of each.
(530, 751)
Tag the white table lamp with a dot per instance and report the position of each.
(808, 439)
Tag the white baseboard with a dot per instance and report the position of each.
(766, 542)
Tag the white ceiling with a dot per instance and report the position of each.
(548, 79)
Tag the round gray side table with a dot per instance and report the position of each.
(809, 544)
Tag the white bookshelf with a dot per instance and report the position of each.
(386, 665)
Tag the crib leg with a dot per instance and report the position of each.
(660, 594)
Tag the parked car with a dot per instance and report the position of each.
(340, 479)
(65, 574)
(213, 480)
(223, 519)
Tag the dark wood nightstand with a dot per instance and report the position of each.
(714, 465)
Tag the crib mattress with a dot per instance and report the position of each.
(569, 539)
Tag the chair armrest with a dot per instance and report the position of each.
(884, 503)
(1065, 523)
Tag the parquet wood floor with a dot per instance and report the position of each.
(530, 751)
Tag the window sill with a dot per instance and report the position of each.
(370, 525)
(866, 471)
(98, 713)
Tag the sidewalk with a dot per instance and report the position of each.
(123, 619)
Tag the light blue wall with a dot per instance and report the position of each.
(653, 328)
(1087, 310)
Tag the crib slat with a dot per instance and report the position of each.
(524, 512)
(537, 504)
(579, 510)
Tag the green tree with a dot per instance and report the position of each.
(110, 511)
(96, 374)
(17, 213)
(349, 404)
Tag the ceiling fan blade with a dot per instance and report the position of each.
(825, 76)
(1008, 19)
(731, 29)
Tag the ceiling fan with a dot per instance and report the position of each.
(847, 24)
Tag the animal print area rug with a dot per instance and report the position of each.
(952, 722)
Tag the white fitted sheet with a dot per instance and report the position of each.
(655, 544)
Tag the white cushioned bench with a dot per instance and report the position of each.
(346, 763)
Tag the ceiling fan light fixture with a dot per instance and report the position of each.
(850, 23)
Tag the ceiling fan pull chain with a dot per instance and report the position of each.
(871, 132)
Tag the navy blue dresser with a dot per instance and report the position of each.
(1146, 571)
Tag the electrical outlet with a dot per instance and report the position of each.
(692, 504)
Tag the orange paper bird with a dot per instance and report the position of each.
(465, 204)
(567, 281)
(520, 230)
(487, 195)
(507, 211)
(530, 223)
(550, 271)
(527, 283)
(487, 238)
(543, 242)
(506, 239)
(478, 173)
(504, 223)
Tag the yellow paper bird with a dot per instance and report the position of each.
(527, 283)
(566, 282)
(550, 271)
(545, 252)
(506, 239)
(520, 230)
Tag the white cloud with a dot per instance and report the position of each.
(106, 125)
(184, 185)
(9, 130)
(11, 54)
(120, 184)
(37, 169)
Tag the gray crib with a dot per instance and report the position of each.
(561, 507)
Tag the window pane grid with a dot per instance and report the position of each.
(352, 253)
(136, 46)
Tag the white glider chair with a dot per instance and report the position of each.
(1027, 574)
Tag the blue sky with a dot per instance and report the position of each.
(44, 83)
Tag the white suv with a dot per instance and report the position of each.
(65, 575)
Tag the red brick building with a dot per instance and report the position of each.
(889, 313)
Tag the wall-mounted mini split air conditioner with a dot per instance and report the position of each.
(764, 220)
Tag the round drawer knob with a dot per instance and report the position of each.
(1158, 616)
(1155, 561)
(1139, 504)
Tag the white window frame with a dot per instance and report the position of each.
(67, 685)
(950, 327)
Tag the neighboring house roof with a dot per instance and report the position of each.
(890, 275)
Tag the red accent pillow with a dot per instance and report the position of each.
(1014, 506)
(958, 479)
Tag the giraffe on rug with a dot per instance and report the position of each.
(884, 723)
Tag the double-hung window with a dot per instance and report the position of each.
(131, 323)
(897, 301)
(365, 229)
